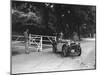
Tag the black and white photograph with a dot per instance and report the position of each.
(52, 37)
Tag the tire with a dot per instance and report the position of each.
(64, 50)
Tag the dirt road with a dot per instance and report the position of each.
(48, 61)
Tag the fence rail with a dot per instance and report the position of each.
(36, 39)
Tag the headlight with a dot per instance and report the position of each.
(72, 51)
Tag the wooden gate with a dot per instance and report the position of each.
(39, 39)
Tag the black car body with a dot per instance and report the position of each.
(67, 47)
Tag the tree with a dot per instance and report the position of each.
(54, 17)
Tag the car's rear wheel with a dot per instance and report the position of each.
(64, 50)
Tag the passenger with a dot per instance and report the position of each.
(60, 36)
(75, 36)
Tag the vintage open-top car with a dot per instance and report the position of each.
(67, 47)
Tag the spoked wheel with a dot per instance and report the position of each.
(64, 50)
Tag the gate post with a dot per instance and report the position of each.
(41, 43)
(55, 38)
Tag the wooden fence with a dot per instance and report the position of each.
(36, 39)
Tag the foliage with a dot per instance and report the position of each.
(54, 17)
